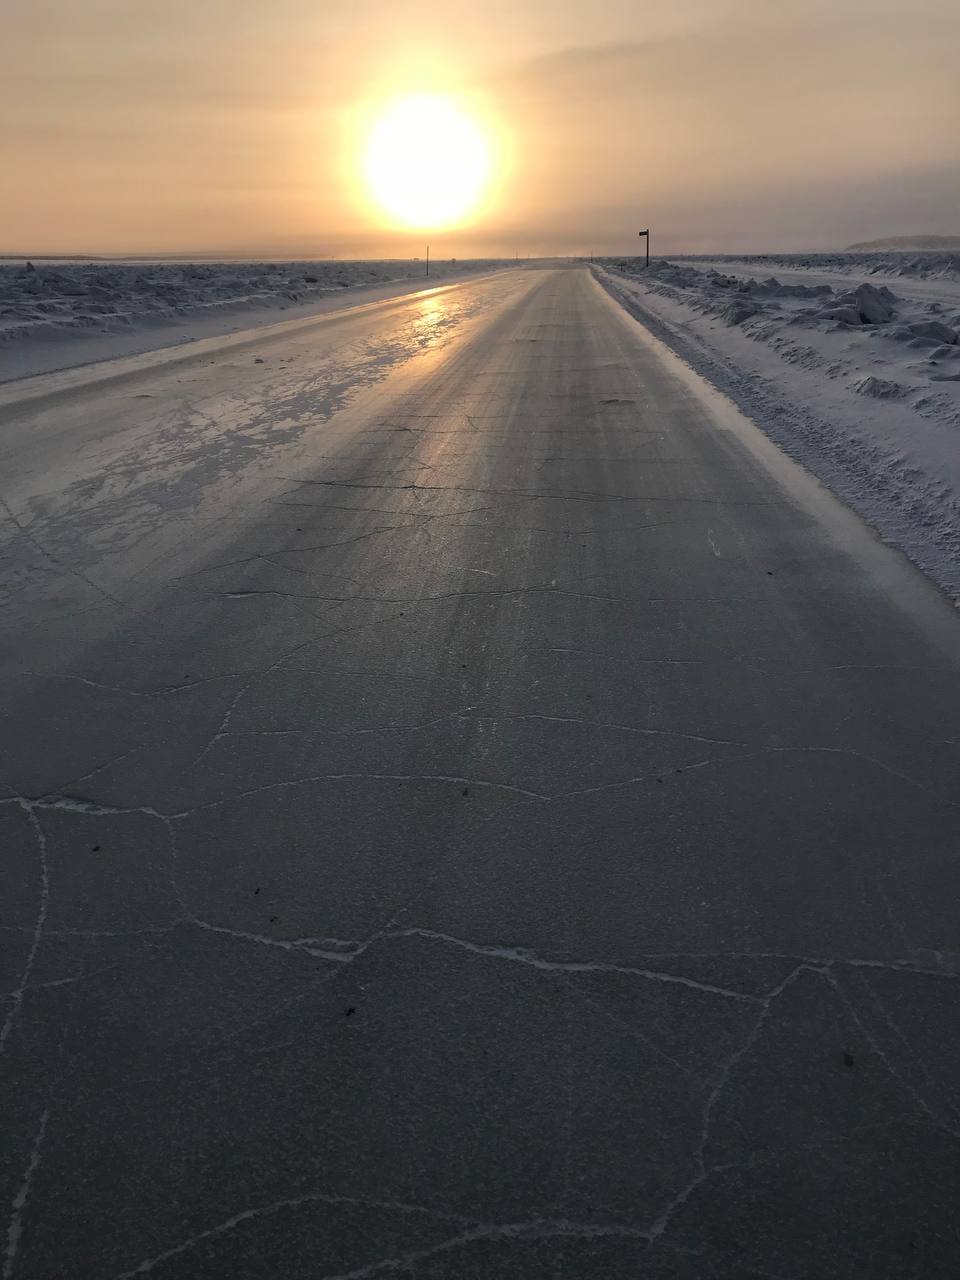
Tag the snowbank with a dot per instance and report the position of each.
(53, 300)
(858, 382)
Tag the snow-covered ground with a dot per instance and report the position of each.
(56, 314)
(896, 265)
(858, 379)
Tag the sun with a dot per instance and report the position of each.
(427, 163)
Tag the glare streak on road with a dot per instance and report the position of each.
(470, 807)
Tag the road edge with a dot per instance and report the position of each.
(810, 442)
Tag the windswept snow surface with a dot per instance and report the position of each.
(908, 244)
(917, 265)
(857, 379)
(56, 314)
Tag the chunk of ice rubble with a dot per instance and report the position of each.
(879, 388)
(863, 305)
(934, 329)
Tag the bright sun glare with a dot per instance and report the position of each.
(427, 162)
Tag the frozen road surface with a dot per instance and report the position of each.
(469, 808)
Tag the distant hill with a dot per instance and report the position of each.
(936, 244)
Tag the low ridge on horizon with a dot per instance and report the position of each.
(919, 244)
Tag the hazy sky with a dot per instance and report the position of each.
(138, 125)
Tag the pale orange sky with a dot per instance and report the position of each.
(168, 125)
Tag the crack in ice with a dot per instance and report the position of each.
(44, 898)
(277, 1206)
(20, 1200)
(525, 956)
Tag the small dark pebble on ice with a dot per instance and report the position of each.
(848, 1059)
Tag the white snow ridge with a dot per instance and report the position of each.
(858, 381)
(59, 314)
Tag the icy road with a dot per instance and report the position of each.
(470, 808)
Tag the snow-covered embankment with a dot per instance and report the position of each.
(54, 315)
(859, 383)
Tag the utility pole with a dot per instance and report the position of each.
(647, 234)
